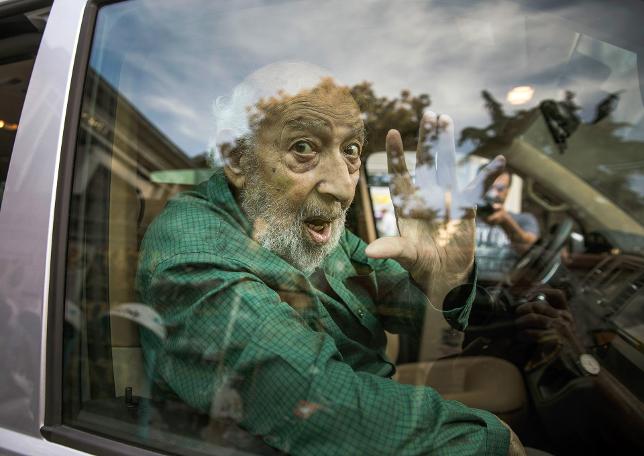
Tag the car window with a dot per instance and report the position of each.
(234, 160)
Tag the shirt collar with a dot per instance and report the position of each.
(220, 194)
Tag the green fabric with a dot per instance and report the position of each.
(298, 360)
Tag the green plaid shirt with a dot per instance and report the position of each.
(297, 360)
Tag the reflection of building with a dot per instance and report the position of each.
(118, 147)
(114, 198)
(115, 135)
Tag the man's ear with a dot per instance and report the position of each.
(235, 176)
(232, 165)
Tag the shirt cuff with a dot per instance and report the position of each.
(498, 436)
(458, 302)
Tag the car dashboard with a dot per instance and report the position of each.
(609, 313)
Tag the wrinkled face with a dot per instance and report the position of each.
(301, 176)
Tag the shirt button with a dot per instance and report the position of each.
(360, 313)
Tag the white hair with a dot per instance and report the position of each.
(231, 114)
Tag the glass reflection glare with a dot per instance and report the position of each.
(520, 95)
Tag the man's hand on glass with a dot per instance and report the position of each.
(435, 218)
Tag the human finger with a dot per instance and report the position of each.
(537, 307)
(395, 155)
(394, 247)
(400, 184)
(446, 153)
(556, 298)
(426, 178)
(566, 315)
(538, 335)
(493, 219)
(434, 197)
(424, 149)
(534, 320)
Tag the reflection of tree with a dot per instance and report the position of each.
(380, 114)
(608, 172)
(502, 128)
(596, 151)
(561, 118)
(611, 172)
(606, 107)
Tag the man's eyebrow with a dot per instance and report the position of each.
(302, 123)
(359, 132)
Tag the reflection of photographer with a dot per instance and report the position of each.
(502, 236)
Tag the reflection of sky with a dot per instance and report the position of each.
(171, 60)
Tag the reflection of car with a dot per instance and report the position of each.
(105, 115)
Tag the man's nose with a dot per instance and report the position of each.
(336, 179)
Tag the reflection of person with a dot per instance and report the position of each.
(502, 236)
(276, 314)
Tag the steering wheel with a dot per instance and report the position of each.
(540, 262)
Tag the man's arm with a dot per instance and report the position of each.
(229, 335)
(523, 235)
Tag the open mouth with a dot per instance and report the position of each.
(318, 229)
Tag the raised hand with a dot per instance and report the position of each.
(435, 219)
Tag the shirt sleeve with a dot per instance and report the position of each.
(234, 349)
(527, 222)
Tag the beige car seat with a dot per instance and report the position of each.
(138, 150)
(483, 382)
(127, 357)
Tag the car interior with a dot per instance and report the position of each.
(538, 390)
(559, 397)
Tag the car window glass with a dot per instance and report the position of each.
(189, 329)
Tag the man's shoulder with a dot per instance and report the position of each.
(186, 215)
(189, 224)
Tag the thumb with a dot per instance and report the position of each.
(397, 248)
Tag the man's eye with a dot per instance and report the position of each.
(352, 150)
(302, 147)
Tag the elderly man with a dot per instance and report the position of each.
(276, 314)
